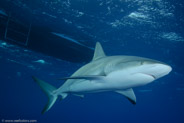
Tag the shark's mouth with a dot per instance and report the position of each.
(150, 75)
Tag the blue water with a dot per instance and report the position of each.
(152, 29)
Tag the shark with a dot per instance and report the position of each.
(106, 73)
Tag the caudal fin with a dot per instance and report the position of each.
(48, 90)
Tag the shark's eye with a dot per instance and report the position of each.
(142, 62)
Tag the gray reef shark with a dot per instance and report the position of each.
(107, 73)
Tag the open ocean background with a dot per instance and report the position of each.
(147, 28)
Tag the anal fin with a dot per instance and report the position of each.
(79, 95)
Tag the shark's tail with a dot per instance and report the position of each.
(48, 90)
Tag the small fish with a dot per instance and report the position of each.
(40, 61)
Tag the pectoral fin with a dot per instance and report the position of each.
(89, 77)
(129, 94)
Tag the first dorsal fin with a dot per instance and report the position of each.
(99, 53)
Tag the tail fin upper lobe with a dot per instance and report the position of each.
(48, 90)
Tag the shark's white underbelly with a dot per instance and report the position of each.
(115, 81)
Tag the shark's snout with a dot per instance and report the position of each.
(161, 70)
(157, 70)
